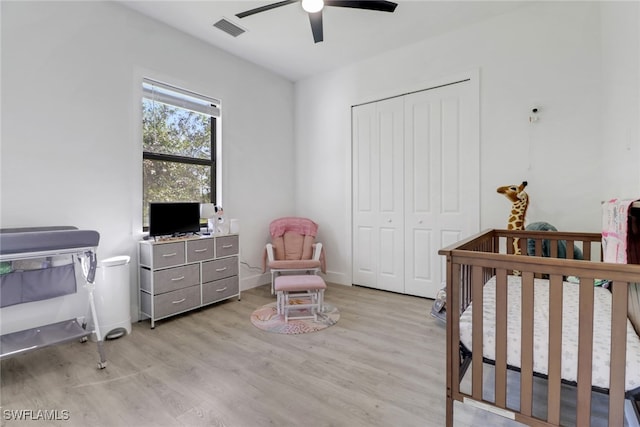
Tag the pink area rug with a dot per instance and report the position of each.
(267, 319)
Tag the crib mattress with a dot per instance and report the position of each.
(601, 333)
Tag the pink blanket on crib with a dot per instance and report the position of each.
(615, 220)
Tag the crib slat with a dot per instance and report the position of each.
(585, 351)
(553, 249)
(538, 243)
(570, 246)
(618, 353)
(501, 339)
(453, 331)
(526, 349)
(586, 251)
(555, 349)
(465, 292)
(539, 252)
(522, 244)
(510, 245)
(478, 331)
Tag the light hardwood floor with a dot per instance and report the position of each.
(382, 364)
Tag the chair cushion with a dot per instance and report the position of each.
(299, 283)
(293, 246)
(294, 264)
(300, 225)
(307, 247)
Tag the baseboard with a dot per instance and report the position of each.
(338, 278)
(254, 281)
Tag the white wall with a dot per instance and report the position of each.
(621, 99)
(71, 140)
(70, 151)
(547, 55)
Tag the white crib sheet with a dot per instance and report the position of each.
(601, 339)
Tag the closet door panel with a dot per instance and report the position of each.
(422, 138)
(450, 155)
(365, 195)
(444, 170)
(420, 264)
(390, 120)
(459, 178)
(365, 260)
(459, 214)
(378, 160)
(422, 128)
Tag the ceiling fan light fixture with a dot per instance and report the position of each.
(312, 6)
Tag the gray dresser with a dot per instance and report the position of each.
(180, 275)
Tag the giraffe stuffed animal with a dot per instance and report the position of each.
(519, 204)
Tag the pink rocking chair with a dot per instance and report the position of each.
(293, 248)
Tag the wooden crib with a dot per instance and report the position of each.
(488, 257)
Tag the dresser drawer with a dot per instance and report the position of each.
(174, 278)
(199, 250)
(168, 254)
(219, 290)
(219, 269)
(176, 301)
(227, 245)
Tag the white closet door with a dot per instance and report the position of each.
(365, 177)
(416, 185)
(441, 180)
(378, 230)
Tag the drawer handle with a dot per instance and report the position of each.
(221, 289)
(178, 302)
(177, 279)
(169, 255)
(221, 269)
(227, 246)
(201, 250)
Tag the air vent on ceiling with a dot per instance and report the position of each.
(229, 27)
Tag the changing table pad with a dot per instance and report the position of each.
(19, 241)
(601, 332)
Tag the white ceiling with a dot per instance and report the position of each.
(280, 39)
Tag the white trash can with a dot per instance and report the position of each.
(112, 297)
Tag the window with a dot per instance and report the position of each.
(179, 130)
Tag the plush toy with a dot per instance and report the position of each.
(221, 225)
(519, 204)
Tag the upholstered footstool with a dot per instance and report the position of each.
(296, 292)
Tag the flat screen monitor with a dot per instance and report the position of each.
(174, 218)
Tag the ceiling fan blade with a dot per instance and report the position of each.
(381, 6)
(316, 26)
(265, 8)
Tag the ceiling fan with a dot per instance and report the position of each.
(314, 9)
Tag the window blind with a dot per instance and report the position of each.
(171, 95)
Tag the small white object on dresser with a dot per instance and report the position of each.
(188, 273)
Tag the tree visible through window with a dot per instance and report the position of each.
(179, 137)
